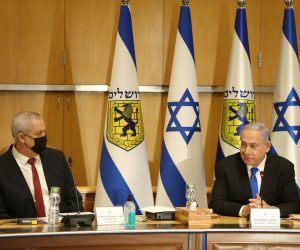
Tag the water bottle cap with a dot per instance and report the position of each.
(190, 185)
(55, 190)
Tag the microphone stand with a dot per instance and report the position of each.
(78, 219)
(262, 174)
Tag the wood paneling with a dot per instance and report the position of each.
(90, 40)
(48, 104)
(84, 117)
(152, 241)
(251, 241)
(271, 32)
(147, 22)
(32, 41)
(213, 25)
(34, 34)
(91, 29)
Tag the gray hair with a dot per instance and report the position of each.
(22, 121)
(258, 126)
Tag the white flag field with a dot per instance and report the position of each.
(124, 165)
(182, 157)
(239, 103)
(286, 114)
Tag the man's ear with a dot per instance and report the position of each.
(20, 137)
(268, 146)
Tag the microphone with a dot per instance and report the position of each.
(70, 163)
(79, 218)
(76, 195)
(262, 174)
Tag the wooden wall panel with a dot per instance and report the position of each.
(147, 22)
(271, 30)
(35, 32)
(102, 241)
(48, 104)
(91, 28)
(213, 25)
(32, 41)
(264, 110)
(253, 9)
(84, 117)
(90, 40)
(252, 241)
(212, 29)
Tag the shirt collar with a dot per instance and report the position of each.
(261, 166)
(23, 159)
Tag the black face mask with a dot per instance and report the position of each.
(39, 144)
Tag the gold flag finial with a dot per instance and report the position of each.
(241, 3)
(125, 2)
(185, 2)
(289, 3)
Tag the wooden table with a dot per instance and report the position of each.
(223, 233)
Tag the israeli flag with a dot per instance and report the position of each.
(239, 104)
(286, 114)
(124, 166)
(181, 159)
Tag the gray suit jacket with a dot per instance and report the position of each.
(232, 189)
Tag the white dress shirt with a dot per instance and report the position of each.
(25, 167)
(261, 168)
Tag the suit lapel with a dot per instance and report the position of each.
(244, 177)
(267, 179)
(46, 171)
(14, 167)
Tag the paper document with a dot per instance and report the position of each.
(74, 213)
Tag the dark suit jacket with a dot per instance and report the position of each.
(16, 200)
(232, 189)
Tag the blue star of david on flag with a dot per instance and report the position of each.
(174, 124)
(281, 123)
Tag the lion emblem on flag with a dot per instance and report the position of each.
(124, 124)
(236, 114)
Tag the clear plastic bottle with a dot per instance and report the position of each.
(53, 212)
(129, 213)
(190, 195)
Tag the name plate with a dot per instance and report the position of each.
(109, 215)
(265, 217)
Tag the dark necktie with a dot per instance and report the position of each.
(253, 182)
(38, 195)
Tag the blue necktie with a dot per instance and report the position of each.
(253, 182)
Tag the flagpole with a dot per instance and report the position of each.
(125, 2)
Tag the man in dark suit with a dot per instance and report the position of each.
(23, 193)
(275, 178)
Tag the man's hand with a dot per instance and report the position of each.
(258, 203)
(246, 211)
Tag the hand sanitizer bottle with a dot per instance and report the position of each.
(129, 213)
